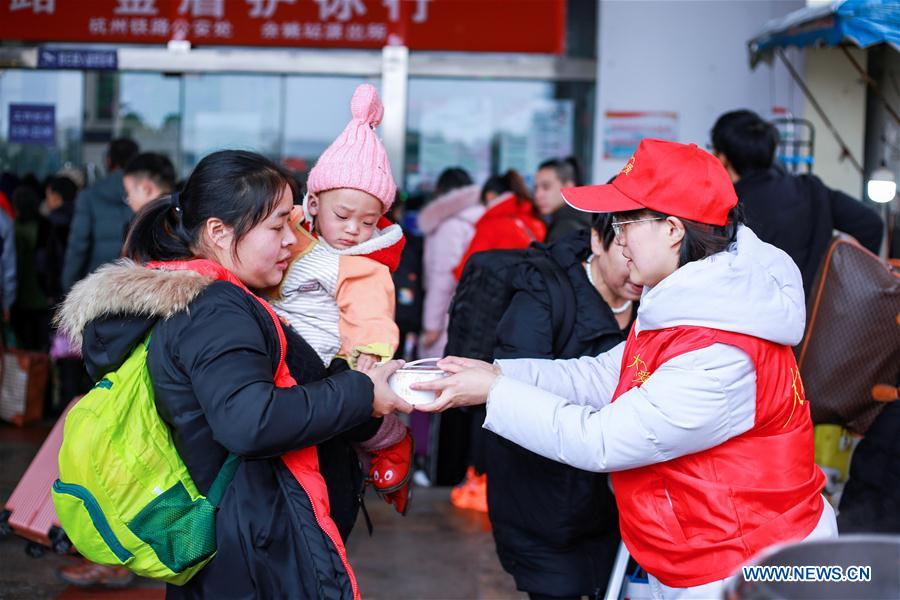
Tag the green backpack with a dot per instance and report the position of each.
(124, 496)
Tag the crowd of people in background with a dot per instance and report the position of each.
(555, 526)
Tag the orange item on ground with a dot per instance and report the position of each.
(471, 494)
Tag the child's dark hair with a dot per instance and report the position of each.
(155, 167)
(63, 186)
(240, 188)
(746, 140)
(451, 179)
(511, 181)
(567, 169)
(700, 239)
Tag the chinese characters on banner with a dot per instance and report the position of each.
(32, 124)
(463, 25)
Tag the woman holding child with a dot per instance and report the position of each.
(219, 361)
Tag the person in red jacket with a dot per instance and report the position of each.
(510, 221)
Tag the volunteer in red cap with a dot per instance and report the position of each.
(700, 416)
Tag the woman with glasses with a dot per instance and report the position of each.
(568, 552)
(700, 415)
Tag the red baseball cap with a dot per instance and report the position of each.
(675, 179)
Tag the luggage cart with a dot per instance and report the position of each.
(627, 580)
(796, 139)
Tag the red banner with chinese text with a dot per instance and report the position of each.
(453, 25)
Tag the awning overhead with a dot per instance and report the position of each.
(860, 22)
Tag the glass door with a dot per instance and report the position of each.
(149, 112)
(58, 141)
(489, 126)
(231, 111)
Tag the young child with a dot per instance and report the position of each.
(337, 292)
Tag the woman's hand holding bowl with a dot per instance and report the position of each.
(469, 383)
(386, 401)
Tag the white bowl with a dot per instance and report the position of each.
(417, 371)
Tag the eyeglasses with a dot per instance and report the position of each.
(619, 226)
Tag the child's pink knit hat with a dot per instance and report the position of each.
(357, 159)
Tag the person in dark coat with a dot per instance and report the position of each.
(553, 175)
(509, 222)
(870, 502)
(58, 208)
(216, 362)
(555, 526)
(101, 213)
(31, 312)
(797, 213)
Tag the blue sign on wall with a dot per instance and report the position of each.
(32, 124)
(65, 58)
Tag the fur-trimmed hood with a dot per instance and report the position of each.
(448, 205)
(125, 288)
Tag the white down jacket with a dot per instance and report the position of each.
(561, 409)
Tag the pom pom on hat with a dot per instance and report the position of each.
(366, 105)
(357, 158)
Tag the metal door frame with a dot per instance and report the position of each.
(395, 65)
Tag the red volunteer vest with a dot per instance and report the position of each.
(698, 518)
(302, 463)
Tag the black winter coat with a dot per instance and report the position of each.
(212, 362)
(871, 500)
(566, 220)
(798, 213)
(555, 526)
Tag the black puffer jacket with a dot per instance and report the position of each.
(799, 213)
(871, 501)
(212, 356)
(555, 526)
(565, 221)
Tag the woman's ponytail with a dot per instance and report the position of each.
(510, 181)
(158, 233)
(515, 183)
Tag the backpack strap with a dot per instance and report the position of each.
(223, 479)
(226, 472)
(562, 301)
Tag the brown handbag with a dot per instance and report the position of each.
(852, 339)
(23, 382)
